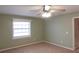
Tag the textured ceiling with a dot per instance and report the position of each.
(33, 10)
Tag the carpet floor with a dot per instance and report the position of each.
(40, 48)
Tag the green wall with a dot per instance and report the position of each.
(56, 28)
(51, 29)
(6, 40)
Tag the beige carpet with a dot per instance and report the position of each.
(40, 48)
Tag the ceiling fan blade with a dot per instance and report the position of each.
(34, 10)
(39, 13)
(58, 10)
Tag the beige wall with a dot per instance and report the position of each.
(57, 28)
(6, 31)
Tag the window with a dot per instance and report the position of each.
(21, 28)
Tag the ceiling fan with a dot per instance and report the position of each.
(47, 10)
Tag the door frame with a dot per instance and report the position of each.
(73, 31)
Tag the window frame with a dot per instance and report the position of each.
(20, 20)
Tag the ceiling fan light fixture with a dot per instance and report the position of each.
(53, 11)
(46, 14)
(47, 7)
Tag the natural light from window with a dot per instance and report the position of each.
(22, 28)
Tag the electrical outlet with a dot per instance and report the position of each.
(67, 32)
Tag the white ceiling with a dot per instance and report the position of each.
(27, 10)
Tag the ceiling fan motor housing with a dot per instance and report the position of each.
(46, 8)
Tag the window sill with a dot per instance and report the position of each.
(21, 37)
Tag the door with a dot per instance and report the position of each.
(76, 28)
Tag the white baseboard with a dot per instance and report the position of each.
(20, 46)
(60, 45)
(35, 43)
